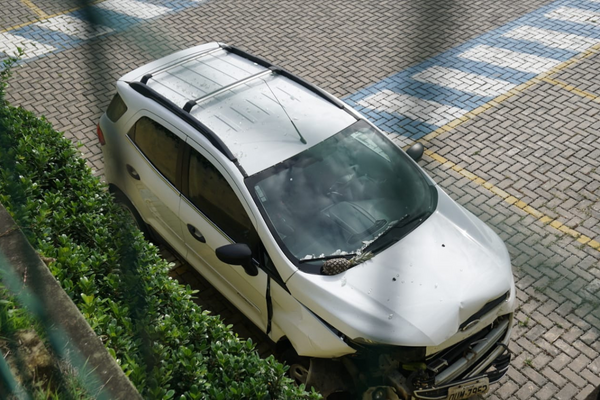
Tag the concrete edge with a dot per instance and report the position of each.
(82, 345)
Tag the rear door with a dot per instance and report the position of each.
(153, 175)
(212, 216)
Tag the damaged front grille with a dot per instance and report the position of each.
(470, 357)
(496, 370)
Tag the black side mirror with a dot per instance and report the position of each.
(416, 151)
(237, 254)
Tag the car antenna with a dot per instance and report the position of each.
(283, 108)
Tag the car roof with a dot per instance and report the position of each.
(261, 113)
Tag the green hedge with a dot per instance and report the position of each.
(163, 341)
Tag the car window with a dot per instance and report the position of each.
(116, 108)
(211, 194)
(159, 145)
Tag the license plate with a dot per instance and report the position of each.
(468, 389)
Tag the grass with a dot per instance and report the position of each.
(524, 323)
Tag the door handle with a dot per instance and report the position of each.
(196, 233)
(132, 172)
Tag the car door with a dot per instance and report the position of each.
(153, 175)
(212, 216)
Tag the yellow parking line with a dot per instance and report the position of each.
(47, 16)
(511, 200)
(573, 89)
(516, 90)
(36, 10)
(507, 198)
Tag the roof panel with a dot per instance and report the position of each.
(179, 88)
(262, 120)
(259, 121)
(201, 75)
(172, 92)
(232, 65)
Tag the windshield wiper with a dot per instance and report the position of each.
(327, 257)
(406, 218)
(369, 231)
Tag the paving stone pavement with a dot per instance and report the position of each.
(539, 143)
(18, 14)
(542, 146)
(426, 96)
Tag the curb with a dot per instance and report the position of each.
(76, 340)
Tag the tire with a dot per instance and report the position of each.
(122, 201)
(298, 365)
(298, 371)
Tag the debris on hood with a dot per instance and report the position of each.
(336, 266)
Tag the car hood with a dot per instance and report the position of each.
(418, 291)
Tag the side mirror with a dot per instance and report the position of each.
(237, 254)
(416, 151)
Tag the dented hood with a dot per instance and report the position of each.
(418, 291)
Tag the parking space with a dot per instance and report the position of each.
(505, 96)
(527, 168)
(52, 27)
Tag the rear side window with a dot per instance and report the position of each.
(116, 108)
(159, 145)
(211, 194)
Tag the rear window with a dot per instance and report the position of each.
(116, 108)
(159, 145)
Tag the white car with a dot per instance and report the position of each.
(370, 279)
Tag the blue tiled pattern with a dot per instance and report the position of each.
(390, 119)
(39, 41)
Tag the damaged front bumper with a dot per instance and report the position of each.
(459, 372)
(481, 355)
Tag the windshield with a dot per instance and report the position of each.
(338, 196)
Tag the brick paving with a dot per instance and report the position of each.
(426, 96)
(18, 14)
(541, 145)
(52, 7)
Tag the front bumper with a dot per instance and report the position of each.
(482, 356)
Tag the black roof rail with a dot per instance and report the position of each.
(286, 73)
(258, 60)
(246, 55)
(216, 141)
(184, 113)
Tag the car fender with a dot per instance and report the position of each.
(309, 335)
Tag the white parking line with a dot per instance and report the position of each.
(9, 44)
(430, 112)
(576, 15)
(463, 81)
(509, 59)
(550, 38)
(74, 27)
(133, 8)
